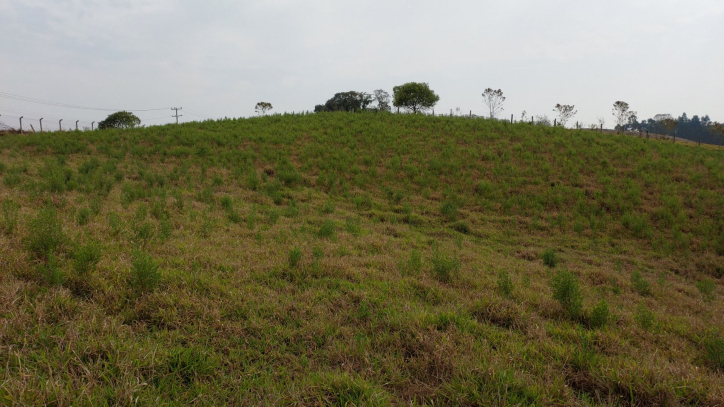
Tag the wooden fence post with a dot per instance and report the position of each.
(511, 118)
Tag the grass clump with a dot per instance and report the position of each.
(45, 234)
(413, 265)
(86, 257)
(714, 352)
(83, 216)
(144, 272)
(327, 230)
(567, 291)
(295, 256)
(707, 288)
(550, 258)
(51, 272)
(449, 209)
(10, 210)
(640, 284)
(445, 267)
(353, 227)
(644, 317)
(600, 315)
(505, 283)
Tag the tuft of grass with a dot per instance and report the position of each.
(449, 209)
(707, 288)
(640, 284)
(145, 275)
(10, 211)
(550, 258)
(51, 272)
(644, 317)
(83, 216)
(567, 291)
(45, 234)
(295, 256)
(353, 226)
(445, 267)
(714, 352)
(413, 265)
(226, 203)
(327, 230)
(86, 257)
(599, 315)
(505, 283)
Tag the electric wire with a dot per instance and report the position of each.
(20, 98)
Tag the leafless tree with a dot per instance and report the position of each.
(623, 115)
(494, 100)
(565, 113)
(601, 122)
(383, 100)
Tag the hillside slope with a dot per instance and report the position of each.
(360, 259)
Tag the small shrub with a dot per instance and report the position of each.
(295, 256)
(327, 230)
(159, 211)
(226, 203)
(550, 258)
(505, 283)
(10, 210)
(95, 206)
(638, 225)
(567, 292)
(45, 234)
(644, 317)
(115, 224)
(144, 272)
(714, 352)
(445, 267)
(449, 209)
(143, 232)
(86, 258)
(599, 315)
(165, 229)
(707, 288)
(83, 216)
(252, 180)
(640, 284)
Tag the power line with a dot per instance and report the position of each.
(196, 113)
(19, 98)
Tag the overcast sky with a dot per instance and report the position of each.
(218, 58)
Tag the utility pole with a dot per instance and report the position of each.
(177, 115)
(21, 124)
(60, 124)
(41, 124)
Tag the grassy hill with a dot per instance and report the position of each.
(360, 259)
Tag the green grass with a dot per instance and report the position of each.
(355, 259)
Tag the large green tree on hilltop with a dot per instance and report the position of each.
(415, 96)
(120, 120)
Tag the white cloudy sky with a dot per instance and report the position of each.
(220, 57)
